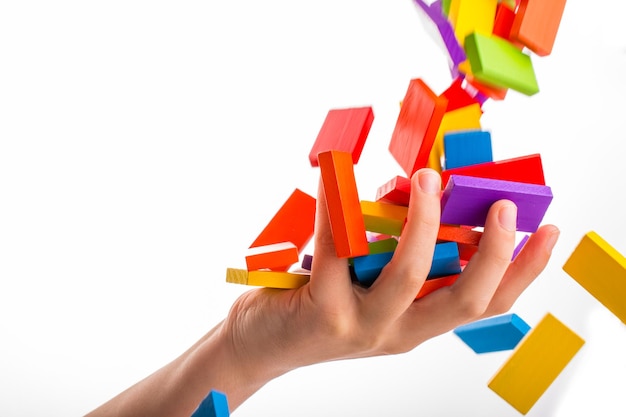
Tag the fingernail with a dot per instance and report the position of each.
(551, 242)
(508, 217)
(429, 181)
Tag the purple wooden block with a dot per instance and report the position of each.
(519, 247)
(466, 201)
(456, 53)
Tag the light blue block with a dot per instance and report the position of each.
(214, 405)
(446, 260)
(469, 147)
(493, 334)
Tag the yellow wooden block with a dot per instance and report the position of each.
(535, 363)
(270, 279)
(601, 270)
(463, 118)
(468, 16)
(383, 218)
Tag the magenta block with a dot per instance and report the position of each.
(466, 201)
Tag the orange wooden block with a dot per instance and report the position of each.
(537, 23)
(416, 127)
(453, 233)
(431, 285)
(276, 257)
(344, 206)
(294, 222)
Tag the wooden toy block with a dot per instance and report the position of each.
(454, 233)
(342, 200)
(537, 23)
(395, 191)
(493, 334)
(445, 6)
(466, 201)
(276, 257)
(464, 118)
(528, 169)
(446, 260)
(458, 96)
(601, 270)
(472, 16)
(215, 404)
(535, 363)
(503, 23)
(270, 279)
(490, 91)
(343, 130)
(519, 247)
(468, 147)
(384, 217)
(367, 268)
(417, 125)
(294, 222)
(497, 62)
(435, 284)
(466, 251)
(307, 262)
(383, 245)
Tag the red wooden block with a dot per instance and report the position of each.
(527, 169)
(416, 127)
(395, 191)
(453, 233)
(276, 257)
(537, 23)
(294, 222)
(458, 96)
(344, 206)
(431, 285)
(343, 130)
(504, 21)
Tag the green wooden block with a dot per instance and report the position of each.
(497, 62)
(445, 7)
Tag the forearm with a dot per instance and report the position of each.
(176, 389)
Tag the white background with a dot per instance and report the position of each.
(144, 144)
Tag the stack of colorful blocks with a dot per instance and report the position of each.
(489, 45)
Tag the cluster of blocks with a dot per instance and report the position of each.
(489, 44)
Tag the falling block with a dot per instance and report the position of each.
(527, 169)
(466, 201)
(293, 222)
(503, 22)
(469, 16)
(497, 62)
(536, 24)
(491, 91)
(493, 334)
(413, 136)
(535, 363)
(457, 95)
(461, 119)
(344, 206)
(270, 279)
(467, 147)
(215, 404)
(446, 260)
(277, 256)
(395, 191)
(343, 130)
(383, 217)
(601, 270)
(434, 284)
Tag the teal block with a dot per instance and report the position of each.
(493, 334)
(497, 62)
(446, 260)
(468, 147)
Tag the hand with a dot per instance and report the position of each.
(274, 331)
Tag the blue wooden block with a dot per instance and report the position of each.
(367, 268)
(468, 147)
(214, 405)
(493, 334)
(446, 260)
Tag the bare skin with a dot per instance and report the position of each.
(268, 333)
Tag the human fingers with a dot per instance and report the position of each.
(527, 266)
(330, 275)
(395, 288)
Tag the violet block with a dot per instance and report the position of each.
(466, 201)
